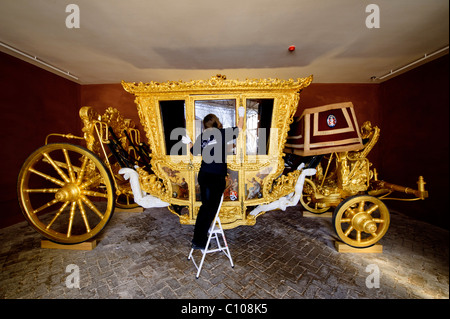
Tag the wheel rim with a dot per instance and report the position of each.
(309, 188)
(126, 201)
(361, 221)
(66, 193)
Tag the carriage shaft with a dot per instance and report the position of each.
(419, 193)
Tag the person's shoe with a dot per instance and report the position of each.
(195, 246)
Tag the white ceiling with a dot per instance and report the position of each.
(161, 40)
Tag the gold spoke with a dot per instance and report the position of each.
(53, 202)
(348, 231)
(72, 215)
(76, 169)
(57, 215)
(358, 236)
(47, 177)
(83, 214)
(57, 168)
(378, 220)
(345, 220)
(90, 182)
(82, 170)
(94, 194)
(308, 202)
(372, 209)
(361, 205)
(69, 166)
(91, 206)
(41, 190)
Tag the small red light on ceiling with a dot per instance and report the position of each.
(291, 48)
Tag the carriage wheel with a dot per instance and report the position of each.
(125, 201)
(306, 199)
(66, 193)
(124, 197)
(361, 221)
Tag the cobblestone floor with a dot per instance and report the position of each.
(284, 256)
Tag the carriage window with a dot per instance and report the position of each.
(225, 110)
(259, 121)
(173, 114)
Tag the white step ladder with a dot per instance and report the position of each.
(213, 233)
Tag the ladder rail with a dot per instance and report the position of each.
(213, 233)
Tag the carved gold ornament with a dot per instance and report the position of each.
(253, 179)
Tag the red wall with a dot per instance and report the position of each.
(411, 111)
(102, 96)
(33, 103)
(415, 137)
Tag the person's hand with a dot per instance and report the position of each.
(241, 111)
(186, 139)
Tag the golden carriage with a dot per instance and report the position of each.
(68, 192)
(329, 139)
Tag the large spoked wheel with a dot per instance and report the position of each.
(307, 198)
(361, 221)
(66, 193)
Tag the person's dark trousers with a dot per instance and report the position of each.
(212, 187)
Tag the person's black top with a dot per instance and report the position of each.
(211, 144)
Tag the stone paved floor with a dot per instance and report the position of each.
(284, 256)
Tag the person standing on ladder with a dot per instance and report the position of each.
(211, 145)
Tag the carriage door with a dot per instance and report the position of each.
(260, 160)
(247, 156)
(225, 108)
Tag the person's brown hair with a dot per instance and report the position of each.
(211, 120)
